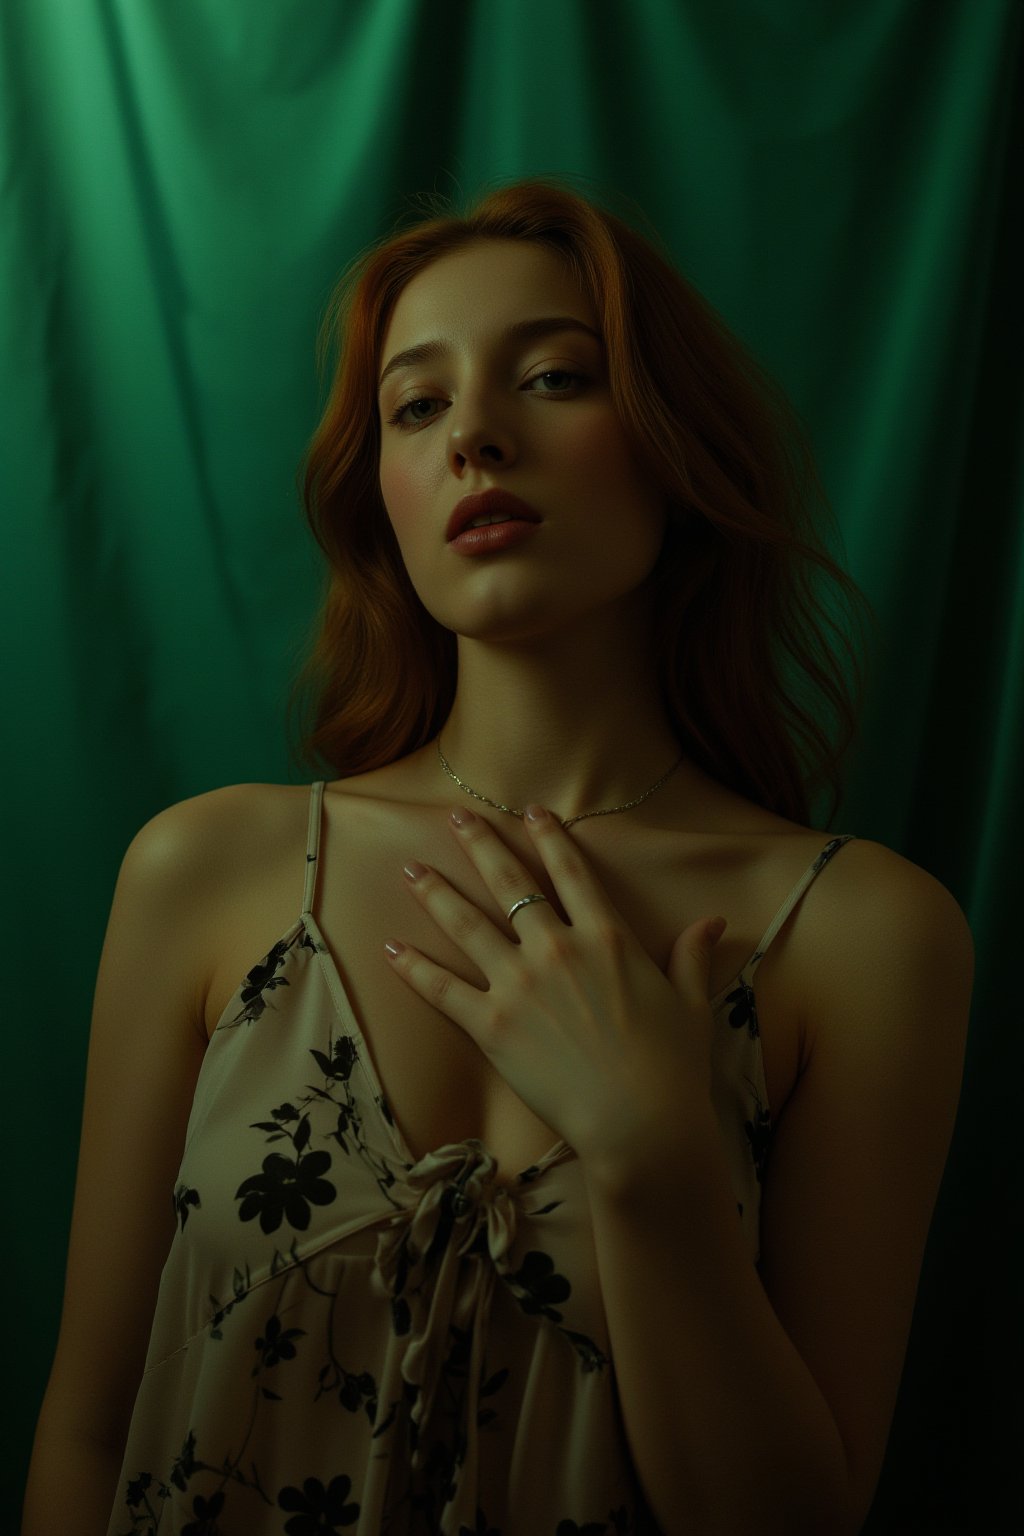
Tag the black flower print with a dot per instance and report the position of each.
(275, 1128)
(136, 1490)
(743, 1009)
(206, 1512)
(275, 1343)
(541, 1285)
(759, 1135)
(319, 1511)
(537, 1286)
(355, 1390)
(285, 1189)
(349, 1124)
(592, 1356)
(186, 1463)
(183, 1198)
(338, 1066)
(241, 1285)
(262, 978)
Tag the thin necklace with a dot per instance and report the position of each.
(512, 812)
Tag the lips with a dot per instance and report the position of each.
(485, 504)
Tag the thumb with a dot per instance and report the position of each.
(713, 932)
(690, 963)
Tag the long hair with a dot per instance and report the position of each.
(745, 666)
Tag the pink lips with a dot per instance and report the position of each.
(482, 541)
(485, 503)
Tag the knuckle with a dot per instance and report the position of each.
(508, 881)
(528, 983)
(567, 866)
(464, 924)
(438, 988)
(557, 947)
(496, 1020)
(610, 936)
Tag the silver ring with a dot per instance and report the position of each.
(524, 903)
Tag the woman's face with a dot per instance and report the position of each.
(496, 411)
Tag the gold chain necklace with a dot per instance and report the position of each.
(512, 812)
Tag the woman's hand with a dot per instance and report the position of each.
(602, 1045)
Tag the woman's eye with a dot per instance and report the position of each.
(397, 418)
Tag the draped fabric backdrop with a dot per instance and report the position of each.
(181, 183)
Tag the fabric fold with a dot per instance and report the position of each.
(436, 1262)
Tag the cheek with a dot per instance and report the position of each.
(604, 460)
(402, 494)
(599, 450)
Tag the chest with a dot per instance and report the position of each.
(438, 1084)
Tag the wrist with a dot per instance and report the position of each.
(623, 1162)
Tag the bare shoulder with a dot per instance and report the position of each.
(196, 854)
(182, 838)
(198, 838)
(877, 868)
(886, 929)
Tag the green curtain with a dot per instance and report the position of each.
(181, 183)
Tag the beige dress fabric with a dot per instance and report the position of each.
(346, 1340)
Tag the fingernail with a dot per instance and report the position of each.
(536, 813)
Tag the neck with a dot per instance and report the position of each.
(575, 728)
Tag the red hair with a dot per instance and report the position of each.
(744, 663)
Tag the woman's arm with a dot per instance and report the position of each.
(146, 1046)
(761, 1402)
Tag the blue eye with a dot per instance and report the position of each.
(395, 420)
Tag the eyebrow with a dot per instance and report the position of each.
(521, 330)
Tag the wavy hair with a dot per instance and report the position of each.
(745, 664)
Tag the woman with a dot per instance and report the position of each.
(555, 1213)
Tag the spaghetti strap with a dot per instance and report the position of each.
(313, 845)
(817, 865)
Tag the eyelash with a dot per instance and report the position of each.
(408, 426)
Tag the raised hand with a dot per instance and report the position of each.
(602, 1045)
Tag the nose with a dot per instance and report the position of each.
(475, 437)
(478, 448)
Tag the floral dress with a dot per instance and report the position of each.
(348, 1340)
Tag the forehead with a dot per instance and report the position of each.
(476, 291)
